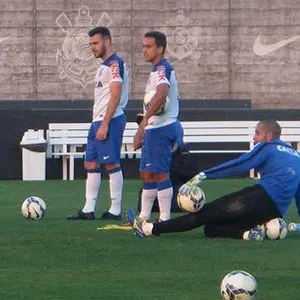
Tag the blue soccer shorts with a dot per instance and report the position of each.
(157, 148)
(106, 151)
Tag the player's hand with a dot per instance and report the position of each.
(102, 132)
(196, 179)
(139, 136)
(138, 140)
(185, 189)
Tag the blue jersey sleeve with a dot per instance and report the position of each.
(241, 165)
(297, 199)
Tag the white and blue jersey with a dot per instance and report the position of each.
(113, 69)
(163, 73)
(278, 165)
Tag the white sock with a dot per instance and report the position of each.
(116, 188)
(147, 228)
(147, 201)
(165, 200)
(93, 181)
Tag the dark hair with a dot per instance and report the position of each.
(104, 31)
(160, 38)
(272, 126)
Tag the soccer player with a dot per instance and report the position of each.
(237, 215)
(183, 167)
(106, 131)
(158, 129)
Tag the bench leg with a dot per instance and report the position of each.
(252, 173)
(71, 167)
(65, 167)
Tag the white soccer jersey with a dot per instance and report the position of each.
(113, 69)
(163, 72)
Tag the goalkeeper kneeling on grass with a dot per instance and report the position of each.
(238, 214)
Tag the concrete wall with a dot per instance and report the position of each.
(221, 49)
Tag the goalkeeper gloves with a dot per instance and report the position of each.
(185, 189)
(197, 179)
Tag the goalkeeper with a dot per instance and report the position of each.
(238, 214)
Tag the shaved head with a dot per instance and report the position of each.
(271, 126)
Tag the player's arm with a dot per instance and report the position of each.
(115, 96)
(157, 100)
(162, 80)
(241, 165)
(234, 167)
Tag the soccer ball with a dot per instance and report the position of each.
(33, 208)
(238, 285)
(276, 229)
(147, 102)
(192, 202)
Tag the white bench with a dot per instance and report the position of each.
(233, 132)
(237, 132)
(68, 140)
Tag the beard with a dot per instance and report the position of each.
(101, 53)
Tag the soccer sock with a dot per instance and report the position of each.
(164, 196)
(148, 197)
(116, 189)
(147, 228)
(93, 181)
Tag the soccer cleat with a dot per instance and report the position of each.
(136, 224)
(257, 233)
(109, 216)
(83, 216)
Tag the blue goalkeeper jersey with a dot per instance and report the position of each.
(278, 165)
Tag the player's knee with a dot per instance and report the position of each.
(161, 177)
(111, 167)
(90, 165)
(147, 176)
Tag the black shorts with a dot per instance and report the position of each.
(227, 216)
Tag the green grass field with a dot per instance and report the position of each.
(57, 259)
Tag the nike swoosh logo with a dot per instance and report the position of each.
(261, 49)
(4, 39)
(106, 157)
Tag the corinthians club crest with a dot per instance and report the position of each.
(75, 60)
(181, 43)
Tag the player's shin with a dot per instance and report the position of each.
(116, 189)
(164, 196)
(149, 194)
(93, 181)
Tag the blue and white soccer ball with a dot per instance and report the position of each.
(33, 208)
(276, 229)
(192, 202)
(238, 285)
(147, 101)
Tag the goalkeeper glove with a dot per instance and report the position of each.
(197, 179)
(185, 189)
